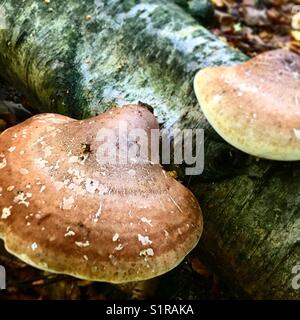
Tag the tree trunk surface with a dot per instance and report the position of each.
(81, 57)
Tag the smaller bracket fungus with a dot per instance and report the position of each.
(64, 211)
(255, 106)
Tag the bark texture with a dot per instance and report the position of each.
(81, 57)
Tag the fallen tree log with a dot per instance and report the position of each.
(80, 58)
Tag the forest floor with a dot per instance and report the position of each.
(257, 26)
(251, 26)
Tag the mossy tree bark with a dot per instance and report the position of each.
(81, 57)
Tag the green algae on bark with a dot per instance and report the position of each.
(127, 51)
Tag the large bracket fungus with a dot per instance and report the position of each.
(255, 106)
(62, 211)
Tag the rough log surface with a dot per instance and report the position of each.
(80, 58)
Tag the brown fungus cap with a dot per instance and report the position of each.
(255, 106)
(62, 211)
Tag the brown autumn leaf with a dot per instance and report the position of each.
(200, 268)
(255, 17)
(294, 46)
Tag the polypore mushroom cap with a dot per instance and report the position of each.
(63, 211)
(255, 106)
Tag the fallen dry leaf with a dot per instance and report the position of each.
(296, 21)
(255, 17)
(200, 268)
